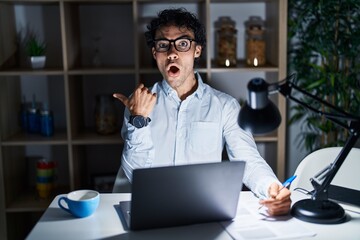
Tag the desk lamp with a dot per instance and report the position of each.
(259, 115)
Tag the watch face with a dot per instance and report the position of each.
(139, 121)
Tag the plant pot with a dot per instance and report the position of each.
(38, 62)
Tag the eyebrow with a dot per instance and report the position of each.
(183, 36)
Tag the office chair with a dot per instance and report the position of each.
(347, 176)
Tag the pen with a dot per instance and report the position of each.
(285, 185)
(287, 182)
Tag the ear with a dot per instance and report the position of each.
(153, 52)
(198, 50)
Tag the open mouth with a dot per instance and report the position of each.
(173, 71)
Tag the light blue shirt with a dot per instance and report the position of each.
(191, 131)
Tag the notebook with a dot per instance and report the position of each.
(183, 195)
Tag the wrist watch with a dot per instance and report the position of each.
(139, 121)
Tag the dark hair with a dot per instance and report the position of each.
(179, 17)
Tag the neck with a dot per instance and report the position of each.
(190, 89)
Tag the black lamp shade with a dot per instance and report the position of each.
(259, 115)
(259, 121)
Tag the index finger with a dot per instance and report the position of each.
(268, 200)
(284, 193)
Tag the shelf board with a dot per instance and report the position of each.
(242, 67)
(30, 202)
(171, 1)
(102, 71)
(272, 137)
(31, 72)
(91, 137)
(237, 1)
(128, 70)
(60, 138)
(148, 70)
(23, 139)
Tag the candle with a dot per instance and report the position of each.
(227, 62)
(255, 62)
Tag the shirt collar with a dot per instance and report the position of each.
(169, 91)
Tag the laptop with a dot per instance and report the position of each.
(183, 195)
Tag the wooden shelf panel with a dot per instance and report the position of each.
(23, 139)
(91, 137)
(96, 1)
(31, 72)
(29, 201)
(242, 67)
(171, 1)
(237, 1)
(266, 138)
(102, 71)
(60, 138)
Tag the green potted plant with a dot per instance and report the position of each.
(35, 49)
(324, 51)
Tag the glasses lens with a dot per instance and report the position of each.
(182, 45)
(162, 45)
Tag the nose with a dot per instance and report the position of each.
(172, 52)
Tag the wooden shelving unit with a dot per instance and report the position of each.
(70, 82)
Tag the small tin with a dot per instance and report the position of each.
(47, 123)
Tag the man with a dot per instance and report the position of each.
(181, 120)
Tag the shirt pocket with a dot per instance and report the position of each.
(204, 137)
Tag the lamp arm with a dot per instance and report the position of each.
(321, 188)
(285, 87)
(321, 181)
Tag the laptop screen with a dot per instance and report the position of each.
(186, 194)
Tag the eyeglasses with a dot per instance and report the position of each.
(181, 44)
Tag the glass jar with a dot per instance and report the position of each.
(46, 122)
(255, 42)
(105, 115)
(33, 120)
(226, 42)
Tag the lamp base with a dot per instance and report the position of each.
(318, 211)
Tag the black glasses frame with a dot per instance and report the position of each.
(173, 41)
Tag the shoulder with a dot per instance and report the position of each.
(160, 87)
(223, 98)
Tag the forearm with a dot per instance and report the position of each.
(241, 146)
(258, 174)
(259, 178)
(138, 149)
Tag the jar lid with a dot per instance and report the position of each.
(45, 112)
(32, 110)
(225, 21)
(255, 22)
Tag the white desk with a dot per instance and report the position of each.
(105, 223)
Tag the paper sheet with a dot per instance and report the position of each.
(251, 223)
